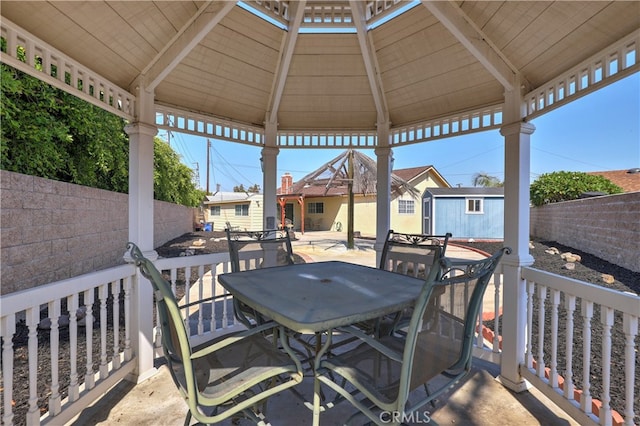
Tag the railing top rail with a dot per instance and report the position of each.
(24, 299)
(628, 303)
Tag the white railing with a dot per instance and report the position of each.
(592, 323)
(43, 313)
(80, 326)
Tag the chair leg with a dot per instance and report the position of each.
(187, 420)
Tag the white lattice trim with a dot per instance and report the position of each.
(48, 64)
(176, 119)
(613, 63)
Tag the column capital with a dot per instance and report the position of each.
(517, 128)
(383, 150)
(139, 127)
(270, 151)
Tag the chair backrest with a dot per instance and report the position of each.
(442, 328)
(259, 249)
(412, 254)
(175, 339)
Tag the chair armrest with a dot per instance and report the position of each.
(371, 341)
(235, 337)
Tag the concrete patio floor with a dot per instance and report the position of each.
(479, 400)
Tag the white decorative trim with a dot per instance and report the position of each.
(48, 64)
(610, 64)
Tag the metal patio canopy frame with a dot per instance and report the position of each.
(50, 57)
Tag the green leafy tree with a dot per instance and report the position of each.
(486, 180)
(254, 189)
(239, 188)
(173, 180)
(48, 133)
(566, 186)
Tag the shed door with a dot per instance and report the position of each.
(426, 216)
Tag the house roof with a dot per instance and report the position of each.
(329, 179)
(467, 191)
(412, 173)
(628, 180)
(222, 197)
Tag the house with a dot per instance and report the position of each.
(628, 180)
(468, 213)
(318, 202)
(240, 209)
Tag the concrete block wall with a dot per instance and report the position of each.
(607, 227)
(52, 230)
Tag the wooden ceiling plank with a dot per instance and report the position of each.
(207, 17)
(284, 61)
(455, 20)
(368, 56)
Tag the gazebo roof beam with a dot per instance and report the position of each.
(368, 55)
(192, 33)
(474, 40)
(296, 9)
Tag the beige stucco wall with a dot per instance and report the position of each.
(54, 230)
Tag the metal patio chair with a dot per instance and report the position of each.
(436, 344)
(407, 254)
(255, 250)
(227, 377)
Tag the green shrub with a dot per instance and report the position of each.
(566, 186)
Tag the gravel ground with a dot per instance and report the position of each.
(589, 269)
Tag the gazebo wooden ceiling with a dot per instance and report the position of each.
(325, 69)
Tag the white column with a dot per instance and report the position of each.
(516, 235)
(269, 176)
(384, 158)
(141, 225)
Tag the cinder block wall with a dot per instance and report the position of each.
(52, 230)
(607, 227)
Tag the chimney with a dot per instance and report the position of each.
(287, 183)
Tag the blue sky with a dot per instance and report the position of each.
(598, 132)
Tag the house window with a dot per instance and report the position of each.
(242, 210)
(475, 205)
(214, 210)
(317, 208)
(406, 207)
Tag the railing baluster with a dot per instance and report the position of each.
(553, 373)
(33, 316)
(606, 317)
(8, 330)
(529, 355)
(630, 327)
(187, 296)
(72, 306)
(587, 314)
(214, 278)
(54, 348)
(497, 282)
(570, 307)
(115, 292)
(102, 295)
(88, 302)
(542, 295)
(200, 297)
(128, 352)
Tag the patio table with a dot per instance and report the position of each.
(317, 297)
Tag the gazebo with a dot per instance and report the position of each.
(311, 75)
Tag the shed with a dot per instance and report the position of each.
(468, 213)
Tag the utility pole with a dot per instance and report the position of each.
(208, 150)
